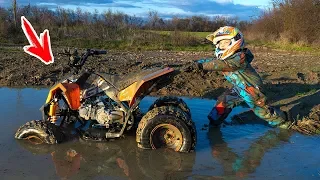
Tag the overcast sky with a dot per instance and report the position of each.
(243, 9)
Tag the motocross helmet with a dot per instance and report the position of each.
(227, 32)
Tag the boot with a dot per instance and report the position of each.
(215, 119)
(289, 121)
(282, 119)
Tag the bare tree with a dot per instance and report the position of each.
(153, 19)
(14, 7)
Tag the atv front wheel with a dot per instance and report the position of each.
(40, 132)
(166, 127)
(171, 101)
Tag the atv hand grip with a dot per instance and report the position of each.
(99, 52)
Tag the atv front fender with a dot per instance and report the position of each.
(71, 92)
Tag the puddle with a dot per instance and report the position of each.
(251, 151)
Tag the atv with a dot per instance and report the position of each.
(102, 106)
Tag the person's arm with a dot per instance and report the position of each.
(201, 61)
(232, 64)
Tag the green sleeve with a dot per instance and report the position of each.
(233, 63)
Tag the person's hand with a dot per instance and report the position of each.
(192, 66)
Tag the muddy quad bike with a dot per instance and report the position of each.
(102, 106)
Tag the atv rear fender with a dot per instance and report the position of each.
(142, 86)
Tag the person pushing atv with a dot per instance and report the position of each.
(233, 60)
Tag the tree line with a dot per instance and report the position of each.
(290, 21)
(66, 23)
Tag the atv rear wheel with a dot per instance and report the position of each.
(166, 127)
(171, 101)
(40, 132)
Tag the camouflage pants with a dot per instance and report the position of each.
(253, 97)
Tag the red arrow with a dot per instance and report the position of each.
(39, 48)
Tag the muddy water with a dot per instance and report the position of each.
(251, 151)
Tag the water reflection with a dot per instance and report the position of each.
(116, 160)
(241, 166)
(66, 164)
(121, 159)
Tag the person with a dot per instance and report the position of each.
(233, 60)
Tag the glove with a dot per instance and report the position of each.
(194, 66)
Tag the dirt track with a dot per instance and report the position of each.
(291, 79)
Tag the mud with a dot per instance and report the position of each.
(291, 79)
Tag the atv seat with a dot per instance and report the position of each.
(123, 81)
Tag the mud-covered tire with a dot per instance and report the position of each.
(171, 101)
(176, 124)
(41, 131)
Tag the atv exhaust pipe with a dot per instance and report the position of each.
(113, 135)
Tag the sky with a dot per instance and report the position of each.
(243, 9)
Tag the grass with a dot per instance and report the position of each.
(165, 40)
(273, 45)
(156, 40)
(200, 34)
(285, 46)
(195, 34)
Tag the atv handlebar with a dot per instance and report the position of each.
(78, 61)
(96, 52)
(90, 52)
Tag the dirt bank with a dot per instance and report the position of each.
(291, 79)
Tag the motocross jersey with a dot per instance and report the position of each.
(236, 69)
